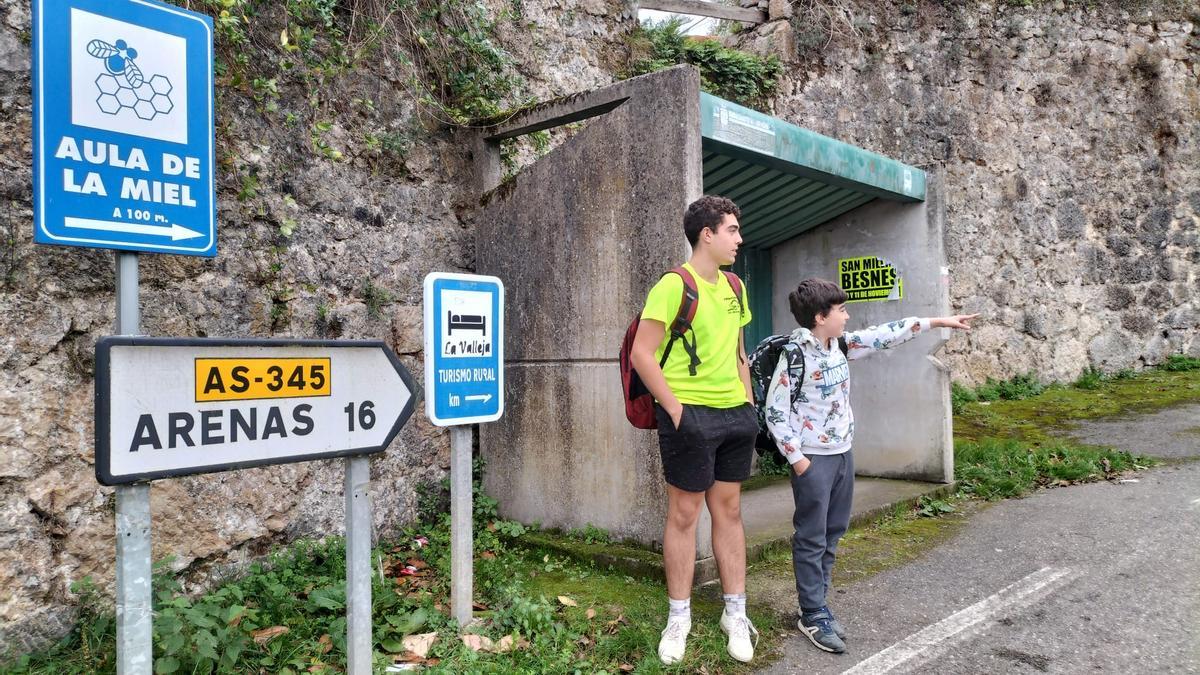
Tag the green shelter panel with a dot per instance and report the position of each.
(753, 265)
(788, 180)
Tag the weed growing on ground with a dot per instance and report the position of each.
(1178, 363)
(998, 469)
(286, 615)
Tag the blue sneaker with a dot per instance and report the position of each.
(838, 629)
(818, 628)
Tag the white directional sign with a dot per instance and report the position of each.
(123, 153)
(464, 348)
(172, 407)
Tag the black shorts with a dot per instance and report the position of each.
(710, 444)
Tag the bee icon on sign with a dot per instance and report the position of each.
(118, 60)
(124, 86)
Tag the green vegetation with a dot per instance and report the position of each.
(1010, 440)
(287, 614)
(375, 297)
(998, 469)
(590, 534)
(985, 413)
(731, 74)
(1178, 363)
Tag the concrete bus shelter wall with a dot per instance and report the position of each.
(900, 397)
(579, 237)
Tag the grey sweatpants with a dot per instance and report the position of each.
(822, 496)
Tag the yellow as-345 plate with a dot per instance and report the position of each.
(243, 379)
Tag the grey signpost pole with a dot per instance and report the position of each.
(358, 565)
(461, 544)
(464, 385)
(135, 651)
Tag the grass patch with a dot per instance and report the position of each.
(1178, 363)
(286, 615)
(1009, 446)
(998, 469)
(1039, 420)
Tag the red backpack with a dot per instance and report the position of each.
(639, 402)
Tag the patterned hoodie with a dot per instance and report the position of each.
(813, 417)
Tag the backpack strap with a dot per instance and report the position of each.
(683, 320)
(795, 359)
(842, 345)
(736, 284)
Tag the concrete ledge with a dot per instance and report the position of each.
(767, 515)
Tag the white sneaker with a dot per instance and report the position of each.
(674, 640)
(739, 629)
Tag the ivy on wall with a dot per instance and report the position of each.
(731, 74)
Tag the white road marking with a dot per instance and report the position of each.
(964, 623)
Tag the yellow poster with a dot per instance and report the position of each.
(869, 279)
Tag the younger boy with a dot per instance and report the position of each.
(813, 426)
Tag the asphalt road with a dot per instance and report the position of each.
(1093, 578)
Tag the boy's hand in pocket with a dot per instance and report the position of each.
(801, 466)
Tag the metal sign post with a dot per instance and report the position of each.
(358, 565)
(135, 651)
(464, 385)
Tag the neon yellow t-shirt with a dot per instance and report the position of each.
(716, 329)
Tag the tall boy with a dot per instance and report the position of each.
(706, 424)
(813, 426)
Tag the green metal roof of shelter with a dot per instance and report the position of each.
(787, 179)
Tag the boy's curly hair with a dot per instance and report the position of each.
(708, 211)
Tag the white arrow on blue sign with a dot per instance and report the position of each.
(464, 348)
(123, 126)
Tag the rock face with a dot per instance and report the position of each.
(308, 247)
(1072, 154)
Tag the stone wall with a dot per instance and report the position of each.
(1071, 146)
(364, 231)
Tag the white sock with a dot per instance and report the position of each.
(735, 604)
(680, 608)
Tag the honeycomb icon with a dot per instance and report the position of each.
(148, 100)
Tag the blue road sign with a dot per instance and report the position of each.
(123, 126)
(464, 348)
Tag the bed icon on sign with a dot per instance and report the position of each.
(465, 322)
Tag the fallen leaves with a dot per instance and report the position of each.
(478, 643)
(482, 643)
(613, 626)
(264, 635)
(419, 644)
(567, 602)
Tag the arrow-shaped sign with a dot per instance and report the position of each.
(478, 397)
(175, 232)
(173, 407)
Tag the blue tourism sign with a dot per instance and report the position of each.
(123, 126)
(464, 348)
